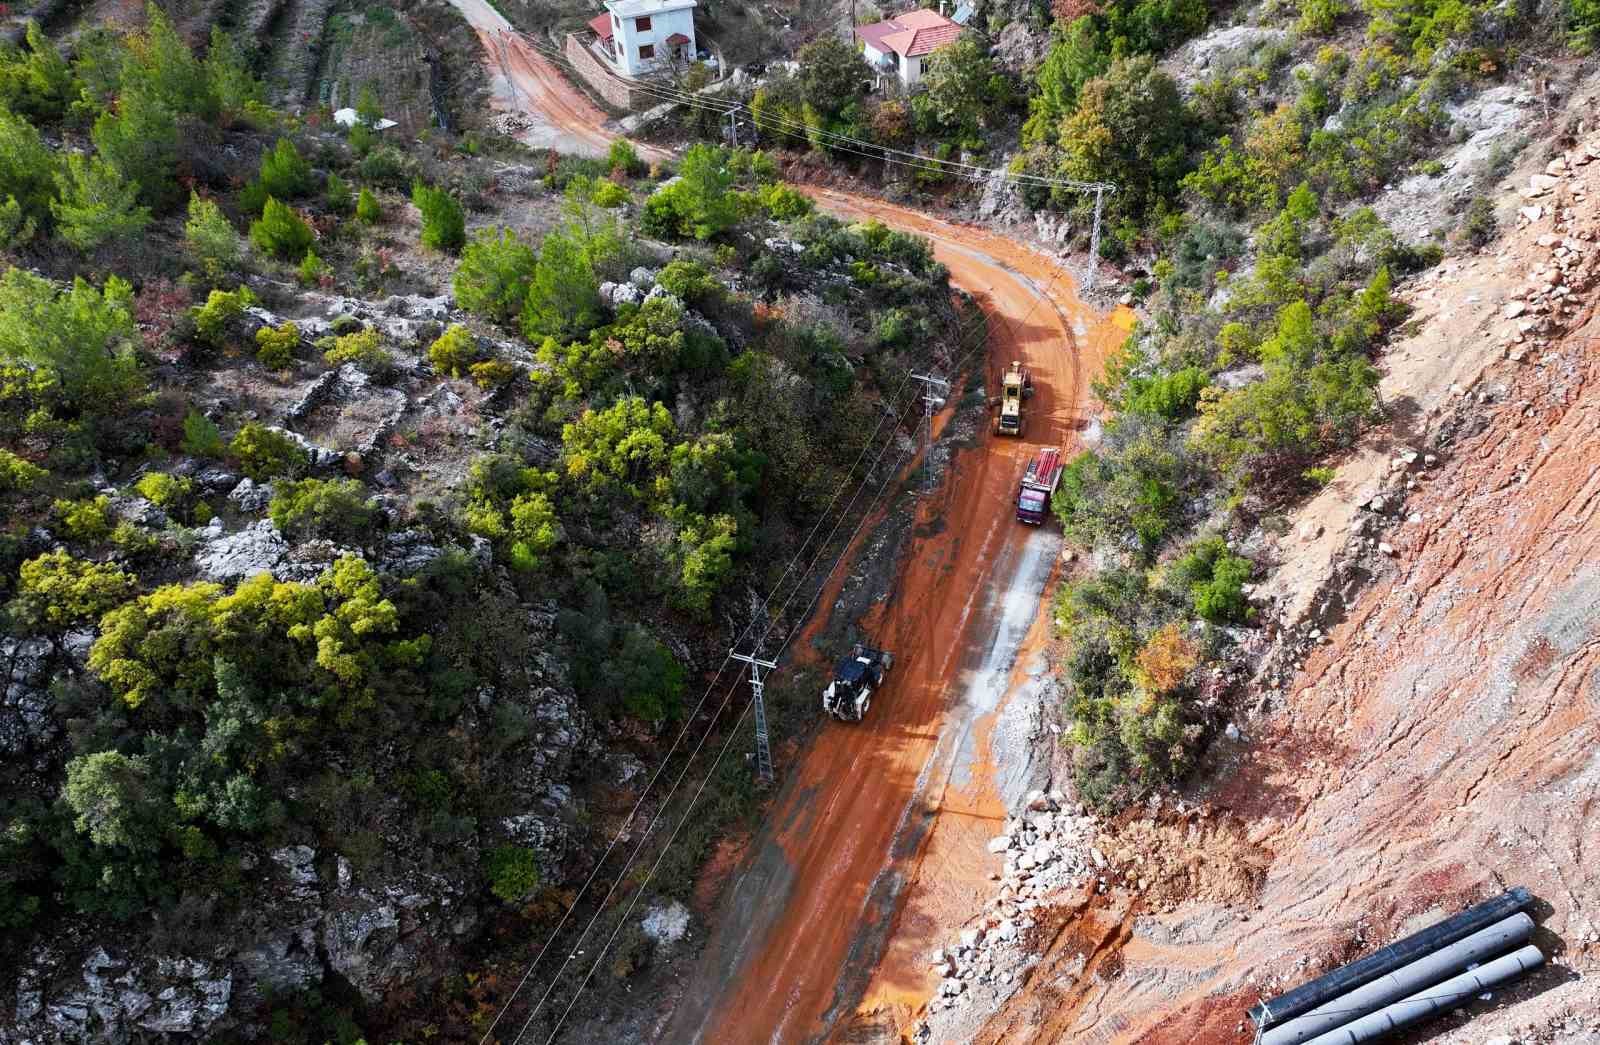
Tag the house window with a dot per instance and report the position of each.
(647, 51)
(642, 24)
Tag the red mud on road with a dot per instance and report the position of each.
(875, 846)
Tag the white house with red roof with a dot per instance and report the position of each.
(639, 36)
(902, 44)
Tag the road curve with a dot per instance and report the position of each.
(527, 82)
(875, 848)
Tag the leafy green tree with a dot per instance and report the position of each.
(1076, 56)
(700, 203)
(201, 436)
(563, 298)
(444, 225)
(1129, 128)
(89, 520)
(265, 453)
(312, 270)
(534, 530)
(624, 157)
(140, 138)
(27, 172)
(281, 232)
(211, 240)
(958, 83)
(118, 800)
(84, 337)
(627, 443)
(336, 509)
(704, 553)
(831, 74)
(57, 591)
(36, 83)
(649, 677)
(96, 204)
(1214, 579)
(495, 272)
(233, 89)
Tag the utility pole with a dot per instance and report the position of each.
(1094, 236)
(930, 403)
(763, 750)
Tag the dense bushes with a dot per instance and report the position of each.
(280, 232)
(336, 509)
(444, 224)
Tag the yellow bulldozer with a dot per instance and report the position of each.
(1015, 386)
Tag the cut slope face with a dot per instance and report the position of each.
(1444, 744)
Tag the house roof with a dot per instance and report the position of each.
(911, 34)
(601, 24)
(636, 8)
(677, 38)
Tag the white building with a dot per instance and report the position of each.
(901, 45)
(641, 35)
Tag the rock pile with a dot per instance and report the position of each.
(1542, 308)
(1046, 849)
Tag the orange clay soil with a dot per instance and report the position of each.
(875, 848)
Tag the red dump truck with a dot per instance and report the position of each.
(1039, 482)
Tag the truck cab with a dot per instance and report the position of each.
(1015, 386)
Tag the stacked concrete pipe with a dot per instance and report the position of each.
(1407, 981)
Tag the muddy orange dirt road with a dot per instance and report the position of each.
(875, 848)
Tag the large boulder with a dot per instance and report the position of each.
(229, 557)
(109, 997)
(25, 703)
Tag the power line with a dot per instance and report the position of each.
(1059, 271)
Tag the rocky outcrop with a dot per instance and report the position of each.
(112, 997)
(227, 558)
(25, 702)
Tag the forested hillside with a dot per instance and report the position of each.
(372, 507)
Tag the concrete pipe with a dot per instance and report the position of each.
(1407, 980)
(1347, 978)
(1435, 999)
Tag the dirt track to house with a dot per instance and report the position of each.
(876, 844)
(527, 82)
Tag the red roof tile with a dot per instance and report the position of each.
(601, 24)
(914, 33)
(677, 38)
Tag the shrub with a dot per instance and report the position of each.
(211, 240)
(337, 193)
(688, 280)
(444, 225)
(784, 203)
(1214, 579)
(337, 509)
(564, 296)
(623, 157)
(609, 194)
(201, 436)
(285, 175)
(280, 232)
(1480, 225)
(87, 520)
(513, 872)
(36, 83)
(454, 352)
(495, 271)
(385, 166)
(312, 270)
(164, 490)
(364, 350)
(57, 591)
(16, 474)
(265, 453)
(221, 308)
(367, 209)
(275, 346)
(490, 374)
(1172, 396)
(117, 800)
